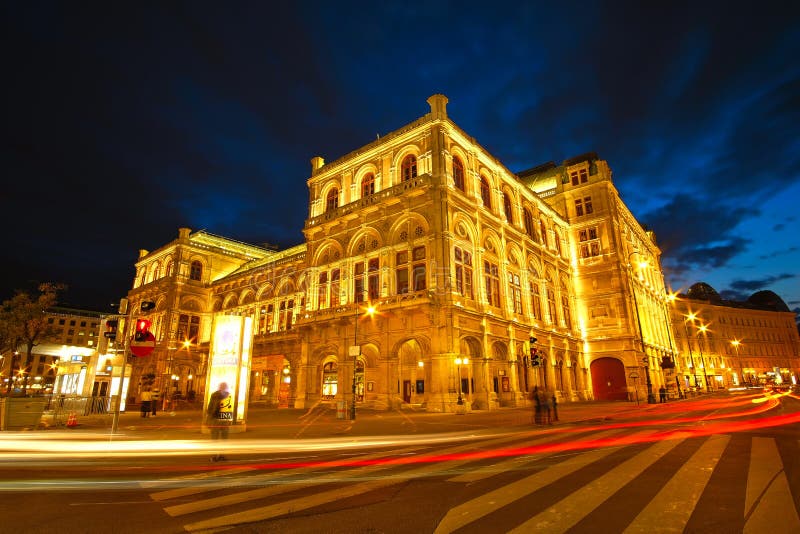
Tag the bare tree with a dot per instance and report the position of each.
(27, 323)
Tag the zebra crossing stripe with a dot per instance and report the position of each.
(512, 463)
(276, 489)
(671, 508)
(310, 501)
(197, 481)
(768, 494)
(479, 507)
(567, 512)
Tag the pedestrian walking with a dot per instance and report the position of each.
(555, 408)
(219, 416)
(537, 406)
(544, 401)
(156, 398)
(662, 394)
(146, 400)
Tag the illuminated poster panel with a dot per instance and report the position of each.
(230, 360)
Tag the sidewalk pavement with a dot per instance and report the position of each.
(322, 421)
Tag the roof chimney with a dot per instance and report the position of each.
(183, 233)
(316, 164)
(438, 106)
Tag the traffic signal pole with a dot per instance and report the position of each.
(117, 407)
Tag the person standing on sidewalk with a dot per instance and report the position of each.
(219, 416)
(544, 402)
(147, 399)
(156, 398)
(662, 394)
(537, 406)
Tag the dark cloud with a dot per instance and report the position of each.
(124, 122)
(763, 283)
(696, 232)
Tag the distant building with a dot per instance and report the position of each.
(725, 343)
(468, 267)
(74, 338)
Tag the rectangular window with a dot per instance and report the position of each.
(270, 317)
(551, 305)
(401, 270)
(335, 299)
(464, 273)
(358, 285)
(589, 242)
(374, 284)
(515, 292)
(194, 328)
(580, 176)
(536, 301)
(492, 280)
(587, 203)
(289, 314)
(565, 311)
(322, 291)
(578, 207)
(420, 279)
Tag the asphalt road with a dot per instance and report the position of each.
(727, 463)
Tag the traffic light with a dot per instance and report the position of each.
(535, 359)
(111, 329)
(147, 305)
(142, 328)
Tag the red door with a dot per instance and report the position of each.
(608, 379)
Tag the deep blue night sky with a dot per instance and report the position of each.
(126, 120)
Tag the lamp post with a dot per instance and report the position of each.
(650, 398)
(736, 344)
(458, 362)
(355, 352)
(691, 318)
(702, 329)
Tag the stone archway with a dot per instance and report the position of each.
(608, 379)
(411, 376)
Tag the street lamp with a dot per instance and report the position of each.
(458, 362)
(650, 398)
(691, 317)
(702, 329)
(355, 352)
(736, 344)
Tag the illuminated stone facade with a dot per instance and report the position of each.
(422, 251)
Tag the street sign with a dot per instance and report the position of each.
(144, 347)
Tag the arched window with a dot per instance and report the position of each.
(550, 294)
(536, 298)
(543, 230)
(486, 193)
(330, 380)
(196, 271)
(458, 173)
(408, 169)
(368, 185)
(527, 218)
(558, 241)
(332, 200)
(507, 208)
(565, 311)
